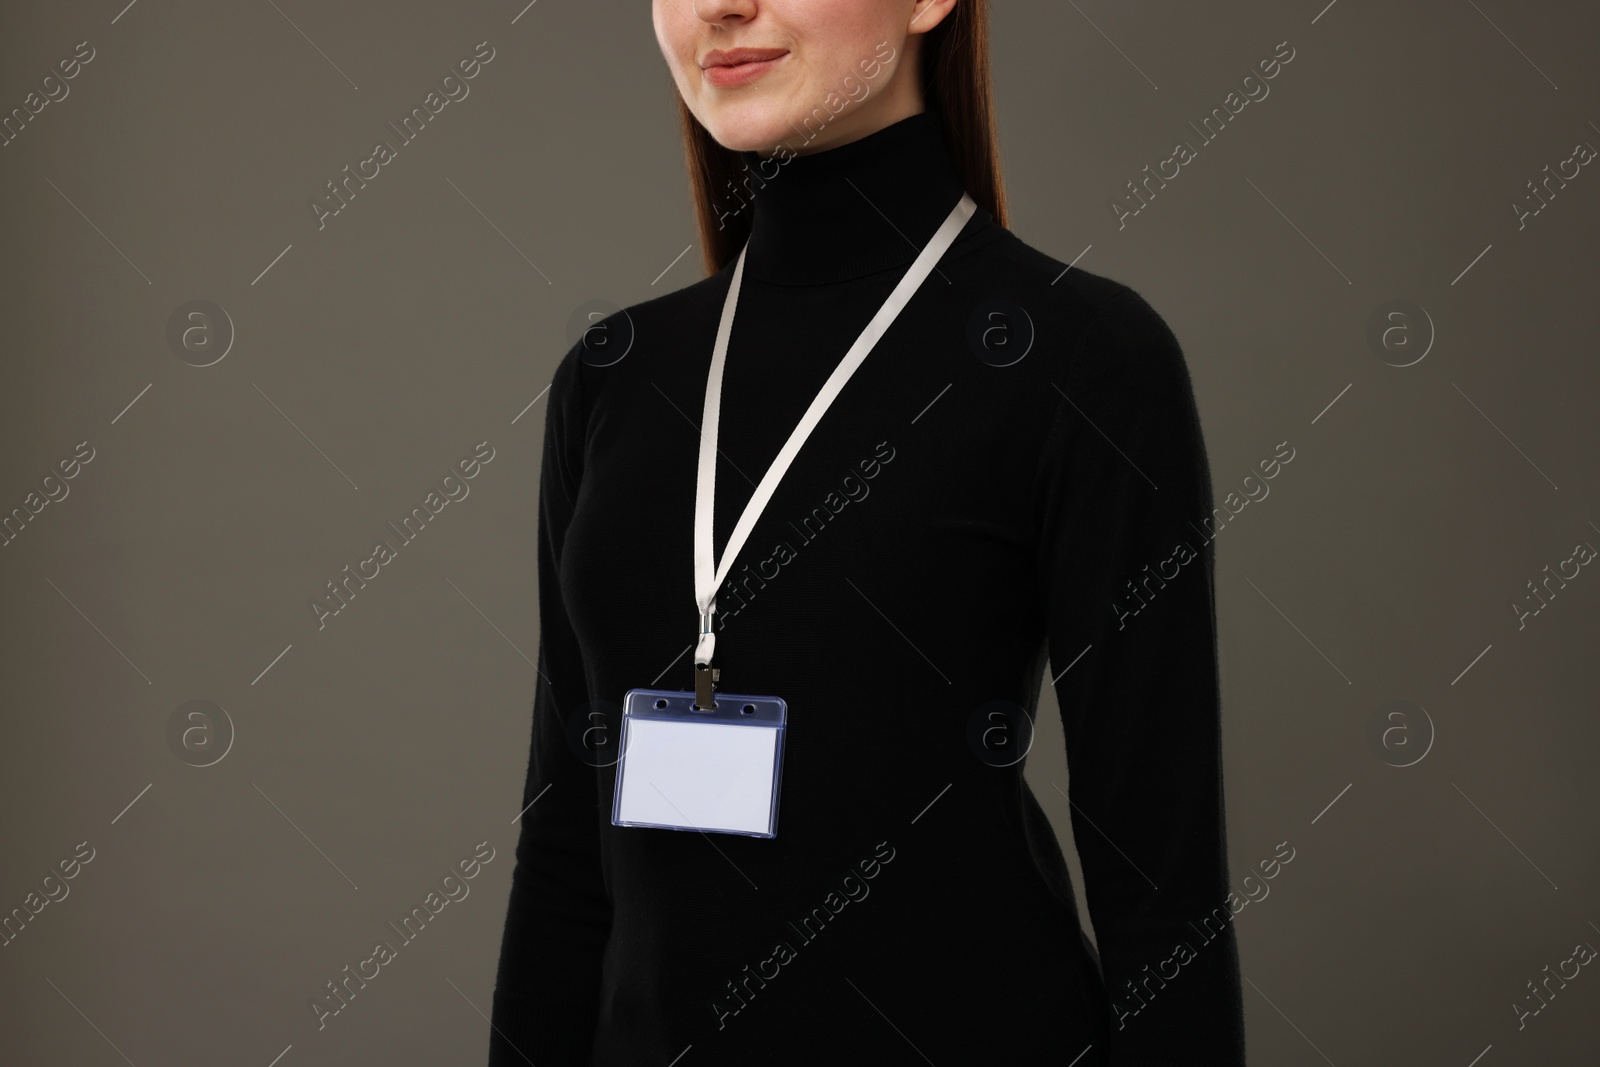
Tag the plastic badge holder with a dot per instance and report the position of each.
(715, 770)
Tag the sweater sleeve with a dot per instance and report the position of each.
(1124, 491)
(559, 915)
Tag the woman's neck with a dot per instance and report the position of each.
(859, 208)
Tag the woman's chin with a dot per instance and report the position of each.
(756, 128)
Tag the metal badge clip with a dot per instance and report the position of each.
(706, 678)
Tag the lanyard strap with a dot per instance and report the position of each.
(707, 576)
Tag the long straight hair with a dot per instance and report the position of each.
(955, 84)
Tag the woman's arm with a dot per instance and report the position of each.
(547, 988)
(1124, 490)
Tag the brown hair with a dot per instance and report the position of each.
(955, 84)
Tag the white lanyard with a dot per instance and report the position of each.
(708, 577)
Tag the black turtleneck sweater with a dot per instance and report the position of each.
(959, 517)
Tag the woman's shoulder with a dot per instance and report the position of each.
(1088, 326)
(1068, 289)
(601, 336)
(1108, 365)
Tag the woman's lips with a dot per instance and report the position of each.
(729, 76)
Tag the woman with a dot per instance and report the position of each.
(1014, 474)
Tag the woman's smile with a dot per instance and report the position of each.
(739, 66)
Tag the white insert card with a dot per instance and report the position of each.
(698, 775)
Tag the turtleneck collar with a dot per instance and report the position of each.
(865, 206)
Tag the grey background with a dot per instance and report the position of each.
(377, 351)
